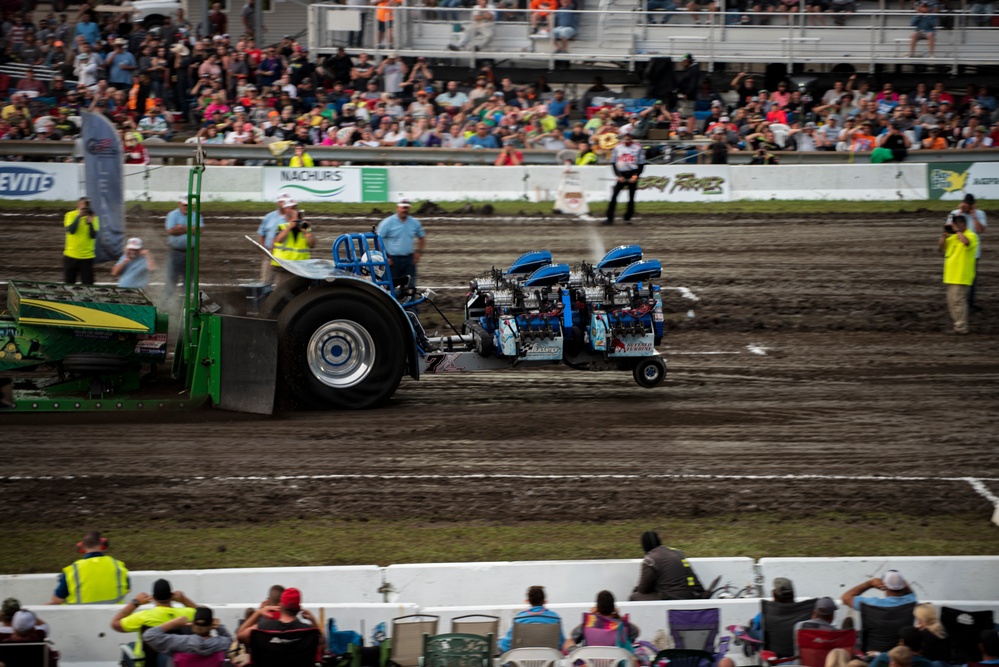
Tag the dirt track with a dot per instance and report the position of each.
(816, 348)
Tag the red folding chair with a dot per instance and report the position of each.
(815, 645)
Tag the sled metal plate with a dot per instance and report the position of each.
(248, 364)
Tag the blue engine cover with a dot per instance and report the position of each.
(623, 255)
(552, 274)
(528, 262)
(640, 271)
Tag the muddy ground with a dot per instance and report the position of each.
(816, 350)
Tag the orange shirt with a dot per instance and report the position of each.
(384, 11)
(935, 144)
(543, 4)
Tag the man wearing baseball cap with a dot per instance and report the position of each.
(267, 231)
(200, 642)
(176, 264)
(896, 592)
(132, 269)
(288, 612)
(977, 222)
(822, 619)
(120, 65)
(404, 240)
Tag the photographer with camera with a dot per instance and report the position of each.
(81, 226)
(977, 222)
(959, 247)
(293, 242)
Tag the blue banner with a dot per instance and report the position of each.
(103, 161)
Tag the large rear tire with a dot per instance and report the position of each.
(281, 296)
(340, 349)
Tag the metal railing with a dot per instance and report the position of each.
(678, 151)
(866, 37)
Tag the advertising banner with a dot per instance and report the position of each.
(103, 167)
(327, 184)
(952, 180)
(707, 183)
(39, 180)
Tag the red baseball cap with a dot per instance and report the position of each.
(291, 600)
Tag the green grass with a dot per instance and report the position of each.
(824, 208)
(175, 545)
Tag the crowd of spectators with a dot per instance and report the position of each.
(168, 621)
(168, 83)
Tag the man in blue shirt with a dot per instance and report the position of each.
(897, 592)
(176, 264)
(88, 29)
(400, 233)
(538, 613)
(132, 270)
(268, 230)
(120, 65)
(566, 25)
(481, 138)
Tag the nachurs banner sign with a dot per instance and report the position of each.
(39, 180)
(327, 184)
(708, 183)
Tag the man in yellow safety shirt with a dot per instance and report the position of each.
(97, 578)
(294, 241)
(81, 226)
(130, 619)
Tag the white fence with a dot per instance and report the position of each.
(353, 595)
(702, 183)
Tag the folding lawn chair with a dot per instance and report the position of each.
(964, 628)
(477, 624)
(814, 645)
(879, 626)
(536, 656)
(407, 638)
(286, 648)
(456, 649)
(684, 657)
(603, 631)
(778, 621)
(697, 629)
(534, 635)
(601, 656)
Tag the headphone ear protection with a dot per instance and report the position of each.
(105, 545)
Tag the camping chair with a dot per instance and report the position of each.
(531, 657)
(964, 628)
(603, 631)
(288, 648)
(777, 624)
(407, 638)
(129, 657)
(879, 626)
(814, 645)
(195, 660)
(697, 629)
(600, 656)
(684, 657)
(457, 649)
(477, 624)
(533, 635)
(36, 654)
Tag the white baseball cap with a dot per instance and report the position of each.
(134, 243)
(404, 202)
(290, 203)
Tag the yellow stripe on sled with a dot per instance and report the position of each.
(80, 317)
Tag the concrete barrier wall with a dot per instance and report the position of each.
(871, 182)
(952, 578)
(534, 183)
(458, 584)
(358, 584)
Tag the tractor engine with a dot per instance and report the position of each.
(542, 311)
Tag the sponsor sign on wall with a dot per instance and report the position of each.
(327, 184)
(952, 180)
(39, 180)
(706, 183)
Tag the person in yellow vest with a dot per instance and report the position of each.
(130, 619)
(294, 241)
(81, 227)
(97, 578)
(959, 247)
(301, 158)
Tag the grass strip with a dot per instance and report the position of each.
(510, 208)
(172, 544)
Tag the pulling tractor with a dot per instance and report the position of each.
(340, 333)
